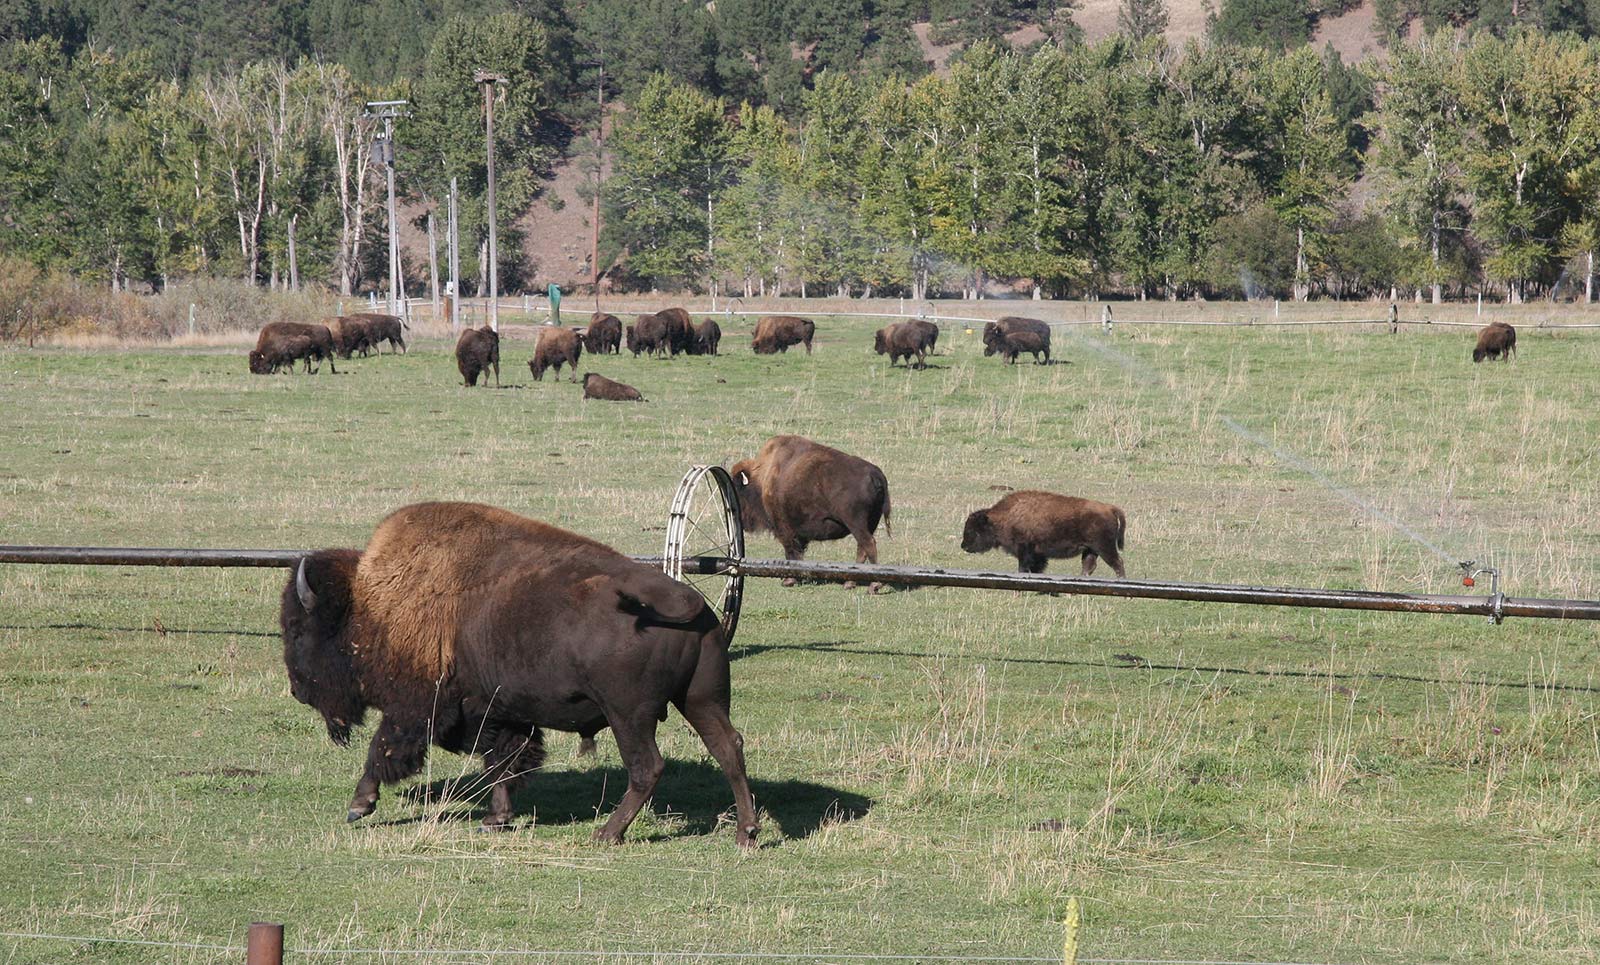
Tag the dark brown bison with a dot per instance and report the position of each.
(478, 350)
(1497, 340)
(804, 491)
(648, 334)
(381, 328)
(350, 335)
(281, 344)
(905, 339)
(596, 386)
(603, 335)
(775, 333)
(556, 347)
(680, 329)
(1012, 335)
(1037, 526)
(706, 337)
(474, 628)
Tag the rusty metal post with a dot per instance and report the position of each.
(265, 945)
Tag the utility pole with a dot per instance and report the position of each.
(455, 263)
(487, 80)
(599, 168)
(383, 153)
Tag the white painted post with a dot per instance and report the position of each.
(191, 318)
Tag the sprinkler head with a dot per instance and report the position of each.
(1468, 581)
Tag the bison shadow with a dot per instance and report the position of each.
(694, 793)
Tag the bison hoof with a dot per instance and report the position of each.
(849, 584)
(876, 588)
(607, 836)
(746, 837)
(790, 581)
(355, 814)
(495, 824)
(586, 747)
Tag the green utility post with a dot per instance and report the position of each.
(555, 304)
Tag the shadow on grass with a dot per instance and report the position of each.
(145, 629)
(695, 793)
(1128, 661)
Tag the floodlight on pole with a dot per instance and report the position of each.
(488, 81)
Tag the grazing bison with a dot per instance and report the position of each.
(603, 335)
(281, 344)
(648, 334)
(1497, 340)
(477, 350)
(707, 336)
(804, 491)
(1036, 527)
(596, 386)
(473, 628)
(381, 327)
(556, 347)
(680, 330)
(905, 339)
(350, 335)
(775, 333)
(1011, 336)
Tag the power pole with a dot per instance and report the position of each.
(487, 80)
(383, 153)
(599, 167)
(454, 238)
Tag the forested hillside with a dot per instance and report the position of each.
(146, 143)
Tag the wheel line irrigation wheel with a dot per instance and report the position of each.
(704, 524)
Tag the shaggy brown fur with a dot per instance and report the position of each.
(1497, 340)
(477, 350)
(775, 333)
(680, 329)
(474, 628)
(707, 336)
(596, 386)
(804, 491)
(603, 335)
(1036, 527)
(350, 335)
(905, 339)
(648, 334)
(381, 327)
(1013, 335)
(280, 343)
(556, 347)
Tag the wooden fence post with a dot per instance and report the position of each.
(265, 945)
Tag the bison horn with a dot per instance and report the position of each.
(744, 478)
(302, 588)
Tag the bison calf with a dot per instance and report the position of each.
(1036, 527)
(476, 351)
(707, 336)
(596, 386)
(905, 339)
(556, 347)
(1497, 340)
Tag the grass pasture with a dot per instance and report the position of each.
(938, 770)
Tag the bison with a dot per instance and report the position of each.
(648, 334)
(281, 344)
(381, 327)
(477, 350)
(603, 335)
(350, 335)
(775, 333)
(473, 628)
(556, 347)
(1036, 527)
(596, 386)
(1497, 340)
(1013, 335)
(680, 330)
(706, 337)
(905, 339)
(804, 491)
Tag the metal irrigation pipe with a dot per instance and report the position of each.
(1494, 606)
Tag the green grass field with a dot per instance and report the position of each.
(939, 770)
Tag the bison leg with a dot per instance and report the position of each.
(1090, 558)
(1029, 561)
(706, 710)
(397, 752)
(511, 757)
(636, 742)
(1112, 557)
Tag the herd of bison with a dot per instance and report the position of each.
(474, 629)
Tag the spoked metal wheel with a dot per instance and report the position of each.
(705, 541)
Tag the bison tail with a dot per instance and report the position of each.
(888, 530)
(1122, 526)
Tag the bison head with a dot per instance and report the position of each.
(322, 673)
(258, 363)
(978, 535)
(752, 511)
(992, 338)
(632, 339)
(880, 341)
(1479, 354)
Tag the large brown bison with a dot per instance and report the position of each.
(281, 344)
(1036, 527)
(680, 329)
(603, 335)
(775, 333)
(381, 327)
(648, 334)
(804, 491)
(477, 350)
(905, 339)
(1013, 335)
(556, 347)
(597, 386)
(707, 336)
(350, 335)
(474, 628)
(1496, 340)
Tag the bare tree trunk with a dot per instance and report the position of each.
(294, 257)
(433, 266)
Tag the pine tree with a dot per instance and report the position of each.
(1141, 19)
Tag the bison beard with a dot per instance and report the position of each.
(523, 626)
